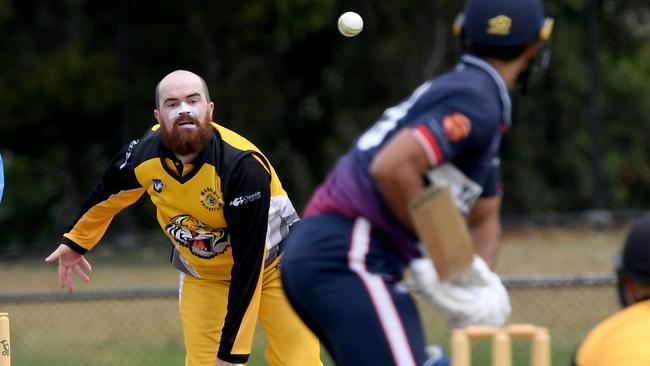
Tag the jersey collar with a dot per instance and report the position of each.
(498, 80)
(197, 162)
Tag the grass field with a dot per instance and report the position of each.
(147, 331)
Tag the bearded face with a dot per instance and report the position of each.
(186, 134)
(184, 111)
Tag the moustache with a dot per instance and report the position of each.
(186, 119)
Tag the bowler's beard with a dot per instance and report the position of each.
(182, 141)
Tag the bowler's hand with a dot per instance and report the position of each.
(69, 261)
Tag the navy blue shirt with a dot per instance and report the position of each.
(457, 118)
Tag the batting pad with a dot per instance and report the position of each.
(442, 230)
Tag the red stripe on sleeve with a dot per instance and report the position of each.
(433, 144)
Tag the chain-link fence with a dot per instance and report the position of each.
(102, 328)
(142, 327)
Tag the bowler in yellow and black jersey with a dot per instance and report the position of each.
(221, 204)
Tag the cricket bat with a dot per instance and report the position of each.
(442, 230)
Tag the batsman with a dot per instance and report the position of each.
(420, 189)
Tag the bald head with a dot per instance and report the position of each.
(184, 112)
(180, 79)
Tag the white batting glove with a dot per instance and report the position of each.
(476, 297)
(425, 276)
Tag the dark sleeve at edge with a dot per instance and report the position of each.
(246, 210)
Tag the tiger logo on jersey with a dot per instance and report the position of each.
(202, 240)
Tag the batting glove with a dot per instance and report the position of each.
(476, 297)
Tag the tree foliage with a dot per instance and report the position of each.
(79, 75)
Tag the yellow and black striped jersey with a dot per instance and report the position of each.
(221, 211)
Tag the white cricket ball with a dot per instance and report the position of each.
(350, 24)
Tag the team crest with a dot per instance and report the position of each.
(499, 25)
(202, 240)
(158, 185)
(456, 126)
(211, 200)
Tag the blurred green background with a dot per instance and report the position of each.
(78, 78)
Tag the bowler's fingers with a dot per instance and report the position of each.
(65, 278)
(56, 254)
(77, 269)
(62, 275)
(69, 262)
(86, 265)
(69, 282)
